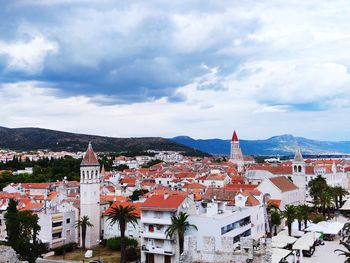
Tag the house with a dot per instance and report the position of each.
(281, 188)
(156, 214)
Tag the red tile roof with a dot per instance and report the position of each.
(137, 206)
(283, 183)
(234, 137)
(90, 157)
(275, 202)
(159, 203)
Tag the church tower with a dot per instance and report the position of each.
(236, 155)
(299, 175)
(90, 195)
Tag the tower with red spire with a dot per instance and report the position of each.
(90, 195)
(236, 155)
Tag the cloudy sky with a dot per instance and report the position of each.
(167, 68)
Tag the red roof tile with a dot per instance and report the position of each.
(159, 203)
(90, 157)
(283, 183)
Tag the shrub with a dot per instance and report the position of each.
(131, 254)
(318, 218)
(65, 248)
(114, 243)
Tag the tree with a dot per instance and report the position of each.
(338, 194)
(302, 214)
(83, 223)
(289, 214)
(316, 187)
(275, 220)
(179, 225)
(22, 229)
(326, 201)
(122, 215)
(345, 242)
(137, 193)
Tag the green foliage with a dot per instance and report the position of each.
(137, 193)
(289, 213)
(44, 170)
(114, 243)
(179, 225)
(318, 218)
(121, 167)
(131, 254)
(22, 229)
(151, 163)
(65, 248)
(83, 223)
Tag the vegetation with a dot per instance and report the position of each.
(289, 214)
(137, 193)
(27, 139)
(114, 243)
(22, 229)
(44, 170)
(345, 241)
(179, 225)
(302, 214)
(326, 197)
(65, 248)
(275, 220)
(83, 223)
(122, 215)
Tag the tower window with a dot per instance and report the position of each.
(299, 169)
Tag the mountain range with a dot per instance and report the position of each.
(30, 139)
(276, 145)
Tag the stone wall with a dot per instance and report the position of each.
(248, 251)
(8, 255)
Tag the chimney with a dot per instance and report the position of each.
(166, 195)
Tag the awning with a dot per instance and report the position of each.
(306, 241)
(282, 238)
(278, 254)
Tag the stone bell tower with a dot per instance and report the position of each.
(90, 195)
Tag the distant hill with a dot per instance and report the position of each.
(28, 139)
(277, 145)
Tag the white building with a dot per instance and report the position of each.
(90, 195)
(156, 213)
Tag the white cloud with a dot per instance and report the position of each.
(28, 56)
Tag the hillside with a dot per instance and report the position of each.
(27, 139)
(277, 145)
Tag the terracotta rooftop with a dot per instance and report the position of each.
(283, 183)
(137, 206)
(160, 203)
(90, 157)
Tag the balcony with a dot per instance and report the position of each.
(156, 235)
(156, 220)
(57, 229)
(158, 250)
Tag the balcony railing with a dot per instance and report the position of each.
(158, 250)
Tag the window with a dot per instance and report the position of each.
(68, 221)
(151, 228)
(56, 224)
(57, 235)
(68, 233)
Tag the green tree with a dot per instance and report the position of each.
(316, 187)
(83, 223)
(338, 194)
(275, 220)
(302, 214)
(22, 228)
(122, 215)
(326, 199)
(289, 214)
(137, 193)
(179, 225)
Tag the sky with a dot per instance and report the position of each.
(169, 68)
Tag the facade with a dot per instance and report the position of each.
(156, 213)
(90, 195)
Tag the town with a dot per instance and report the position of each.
(168, 207)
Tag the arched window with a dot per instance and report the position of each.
(295, 168)
(299, 169)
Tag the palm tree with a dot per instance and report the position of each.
(302, 214)
(289, 214)
(122, 215)
(339, 192)
(179, 225)
(270, 209)
(326, 200)
(83, 223)
(346, 237)
(275, 220)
